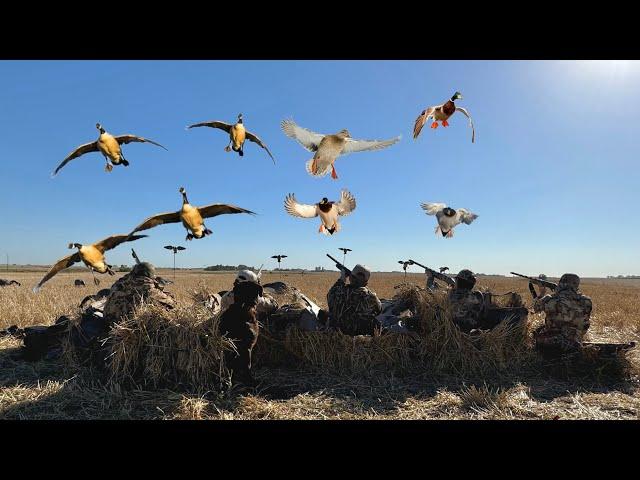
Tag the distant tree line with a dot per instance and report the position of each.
(225, 268)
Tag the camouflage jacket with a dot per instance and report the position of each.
(467, 308)
(353, 309)
(130, 291)
(567, 312)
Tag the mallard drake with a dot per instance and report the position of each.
(448, 217)
(191, 217)
(441, 113)
(109, 146)
(237, 135)
(328, 148)
(328, 211)
(91, 255)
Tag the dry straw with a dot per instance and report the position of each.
(158, 348)
(182, 348)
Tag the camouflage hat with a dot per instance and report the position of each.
(466, 275)
(144, 269)
(361, 272)
(569, 280)
(247, 276)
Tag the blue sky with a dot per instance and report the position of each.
(553, 174)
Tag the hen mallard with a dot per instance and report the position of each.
(328, 148)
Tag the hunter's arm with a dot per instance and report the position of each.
(540, 302)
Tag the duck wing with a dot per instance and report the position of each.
(347, 203)
(352, 145)
(433, 208)
(465, 216)
(301, 210)
(308, 139)
(473, 130)
(421, 120)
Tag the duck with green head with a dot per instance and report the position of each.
(442, 113)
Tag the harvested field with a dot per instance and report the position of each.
(325, 385)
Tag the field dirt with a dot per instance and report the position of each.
(48, 390)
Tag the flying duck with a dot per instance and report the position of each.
(91, 255)
(448, 217)
(191, 217)
(237, 135)
(328, 148)
(441, 113)
(109, 146)
(328, 211)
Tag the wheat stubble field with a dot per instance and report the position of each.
(51, 390)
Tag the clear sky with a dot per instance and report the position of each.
(553, 174)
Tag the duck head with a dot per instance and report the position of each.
(239, 118)
(100, 128)
(325, 205)
(449, 212)
(456, 96)
(75, 245)
(344, 133)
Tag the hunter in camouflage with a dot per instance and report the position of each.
(138, 286)
(567, 314)
(467, 305)
(353, 307)
(265, 305)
